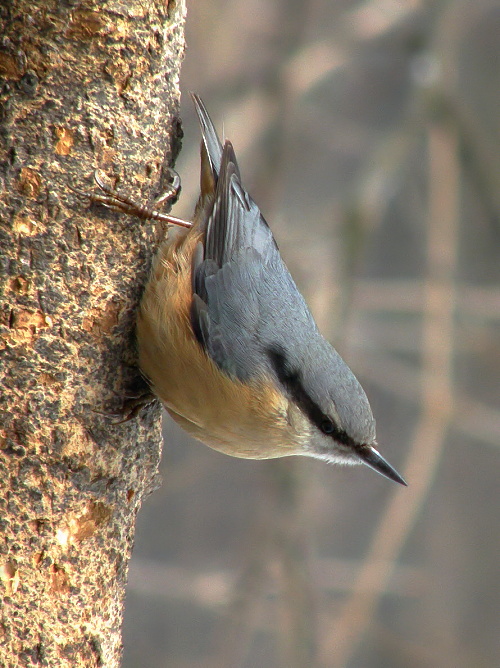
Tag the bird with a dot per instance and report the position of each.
(227, 342)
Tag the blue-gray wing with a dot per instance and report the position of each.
(244, 299)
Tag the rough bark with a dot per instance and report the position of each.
(82, 85)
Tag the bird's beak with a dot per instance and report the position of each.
(374, 460)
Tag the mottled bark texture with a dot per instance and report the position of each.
(82, 85)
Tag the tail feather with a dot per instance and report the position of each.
(230, 218)
(211, 141)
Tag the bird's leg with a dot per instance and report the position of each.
(172, 191)
(119, 202)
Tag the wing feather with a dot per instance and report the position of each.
(228, 264)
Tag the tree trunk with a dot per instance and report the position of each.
(82, 86)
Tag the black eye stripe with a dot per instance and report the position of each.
(291, 380)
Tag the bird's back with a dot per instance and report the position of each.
(244, 296)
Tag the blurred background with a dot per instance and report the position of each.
(369, 135)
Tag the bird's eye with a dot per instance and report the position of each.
(327, 426)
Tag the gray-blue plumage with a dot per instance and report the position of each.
(248, 313)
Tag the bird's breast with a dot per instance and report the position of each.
(251, 419)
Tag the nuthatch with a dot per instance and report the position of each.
(228, 344)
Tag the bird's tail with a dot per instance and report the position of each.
(211, 144)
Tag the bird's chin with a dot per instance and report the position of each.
(335, 455)
(340, 459)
